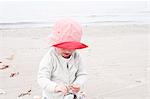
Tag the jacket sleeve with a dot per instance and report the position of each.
(44, 74)
(81, 74)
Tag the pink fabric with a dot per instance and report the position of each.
(65, 30)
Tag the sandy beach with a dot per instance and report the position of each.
(117, 61)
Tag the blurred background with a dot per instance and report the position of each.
(44, 13)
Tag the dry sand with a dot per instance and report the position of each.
(117, 61)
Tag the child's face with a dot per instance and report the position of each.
(64, 52)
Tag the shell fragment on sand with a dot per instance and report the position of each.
(37, 97)
(26, 93)
(4, 67)
(14, 74)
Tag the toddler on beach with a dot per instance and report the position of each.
(61, 73)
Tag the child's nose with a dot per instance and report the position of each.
(68, 51)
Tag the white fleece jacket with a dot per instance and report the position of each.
(53, 71)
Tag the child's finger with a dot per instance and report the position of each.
(75, 86)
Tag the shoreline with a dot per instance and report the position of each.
(48, 25)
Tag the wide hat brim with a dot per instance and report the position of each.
(71, 45)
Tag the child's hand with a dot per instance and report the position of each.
(75, 88)
(61, 88)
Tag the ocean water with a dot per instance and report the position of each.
(18, 14)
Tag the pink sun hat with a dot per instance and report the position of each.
(66, 34)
